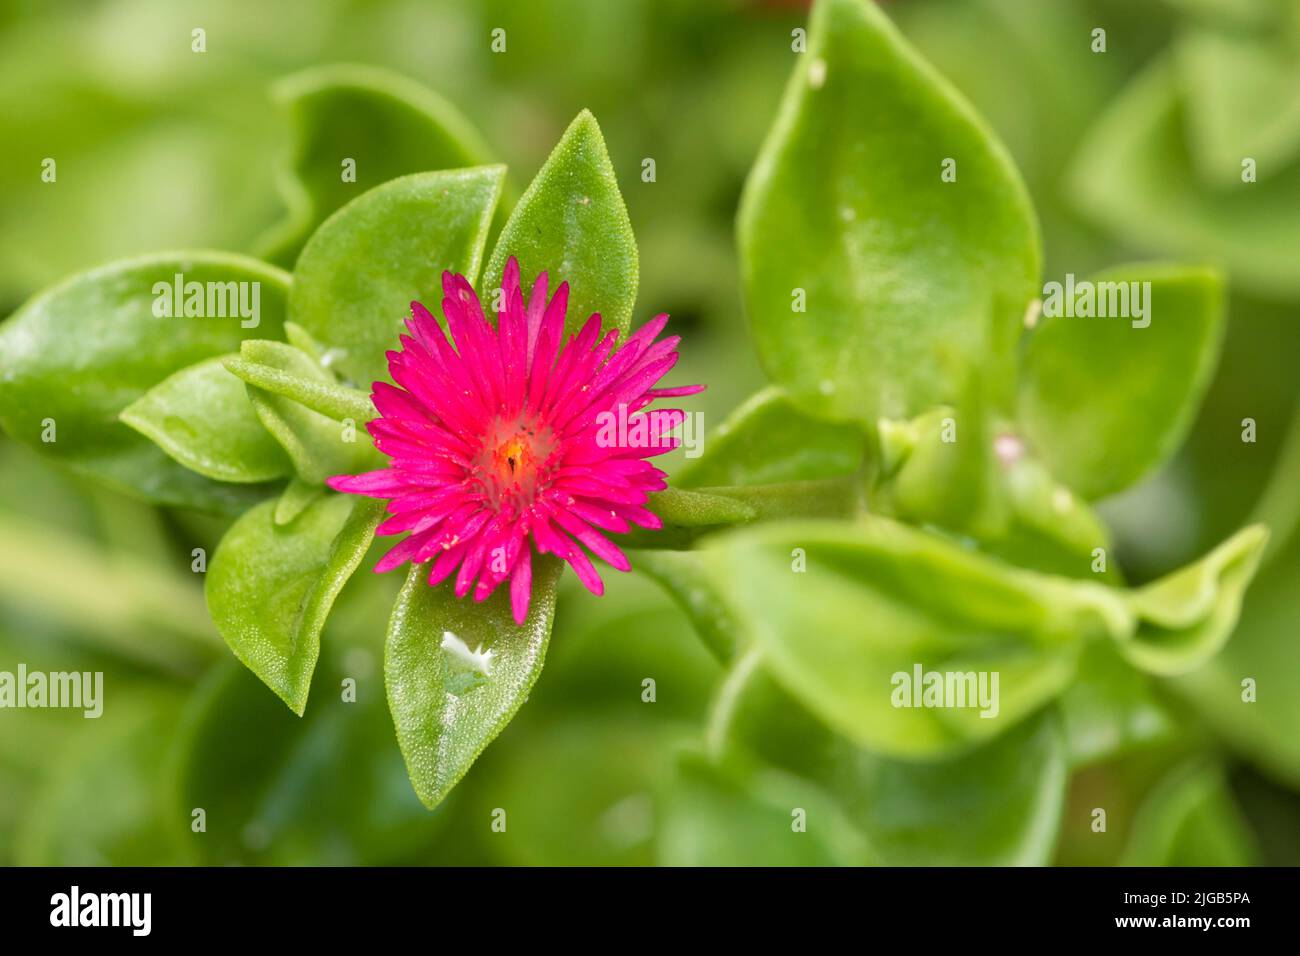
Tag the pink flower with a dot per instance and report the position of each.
(514, 439)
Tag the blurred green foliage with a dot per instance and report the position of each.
(1126, 154)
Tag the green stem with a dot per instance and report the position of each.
(688, 515)
(723, 709)
(821, 498)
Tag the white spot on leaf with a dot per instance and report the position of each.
(477, 660)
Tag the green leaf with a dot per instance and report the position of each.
(571, 223)
(326, 789)
(318, 446)
(356, 277)
(768, 440)
(1186, 617)
(201, 417)
(270, 587)
(946, 468)
(683, 575)
(846, 612)
(607, 821)
(904, 274)
(995, 805)
(458, 670)
(1243, 96)
(331, 400)
(1133, 174)
(298, 494)
(734, 812)
(1105, 400)
(604, 647)
(1050, 529)
(690, 514)
(586, 720)
(686, 515)
(385, 124)
(1246, 693)
(81, 352)
(1112, 709)
(949, 476)
(301, 339)
(1190, 819)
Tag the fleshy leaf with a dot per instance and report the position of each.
(950, 470)
(1106, 400)
(689, 514)
(100, 330)
(610, 820)
(356, 277)
(1051, 529)
(1112, 709)
(767, 440)
(1190, 819)
(384, 124)
(949, 477)
(334, 401)
(614, 643)
(297, 495)
(734, 812)
(571, 223)
(1133, 174)
(458, 670)
(270, 587)
(1243, 96)
(1186, 617)
(847, 613)
(1246, 693)
(301, 339)
(201, 417)
(866, 274)
(318, 446)
(683, 575)
(1004, 797)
